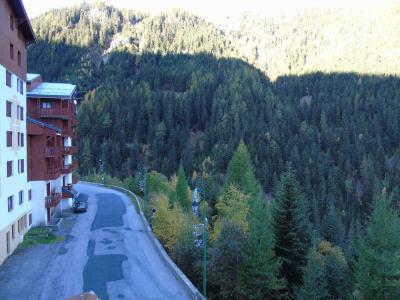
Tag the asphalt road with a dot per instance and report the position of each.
(106, 250)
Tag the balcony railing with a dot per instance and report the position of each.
(69, 132)
(69, 150)
(50, 152)
(53, 200)
(57, 112)
(70, 168)
(74, 122)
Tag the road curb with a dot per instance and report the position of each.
(193, 291)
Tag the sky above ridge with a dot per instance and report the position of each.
(213, 10)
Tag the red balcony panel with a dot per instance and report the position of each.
(53, 200)
(50, 152)
(57, 112)
(70, 168)
(70, 150)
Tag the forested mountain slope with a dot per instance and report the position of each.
(314, 97)
(361, 40)
(168, 87)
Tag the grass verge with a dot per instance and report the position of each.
(39, 235)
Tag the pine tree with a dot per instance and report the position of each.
(232, 206)
(315, 285)
(182, 189)
(240, 171)
(85, 163)
(333, 228)
(290, 229)
(378, 265)
(225, 257)
(258, 276)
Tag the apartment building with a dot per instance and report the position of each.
(15, 197)
(52, 121)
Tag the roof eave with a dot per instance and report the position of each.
(26, 26)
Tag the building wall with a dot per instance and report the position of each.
(39, 214)
(10, 186)
(8, 36)
(18, 235)
(39, 192)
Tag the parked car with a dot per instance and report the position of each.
(80, 206)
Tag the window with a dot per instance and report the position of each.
(20, 113)
(11, 22)
(13, 231)
(8, 108)
(10, 201)
(29, 195)
(20, 86)
(8, 79)
(21, 166)
(46, 105)
(8, 242)
(21, 197)
(9, 138)
(9, 168)
(30, 219)
(11, 51)
(19, 57)
(21, 140)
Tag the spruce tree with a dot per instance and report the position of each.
(290, 230)
(182, 189)
(315, 285)
(240, 171)
(333, 228)
(258, 276)
(378, 265)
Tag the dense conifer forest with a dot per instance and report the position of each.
(291, 127)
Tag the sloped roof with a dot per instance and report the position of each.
(50, 126)
(31, 77)
(53, 90)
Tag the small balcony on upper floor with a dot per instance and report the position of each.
(58, 111)
(69, 168)
(70, 150)
(51, 152)
(53, 200)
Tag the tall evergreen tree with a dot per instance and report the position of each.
(258, 276)
(240, 171)
(290, 230)
(333, 228)
(182, 189)
(378, 264)
(315, 285)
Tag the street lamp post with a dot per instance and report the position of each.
(204, 248)
(204, 243)
(145, 192)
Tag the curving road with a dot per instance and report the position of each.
(106, 250)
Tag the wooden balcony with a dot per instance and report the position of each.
(70, 150)
(66, 169)
(53, 200)
(69, 132)
(74, 122)
(50, 152)
(67, 191)
(57, 112)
